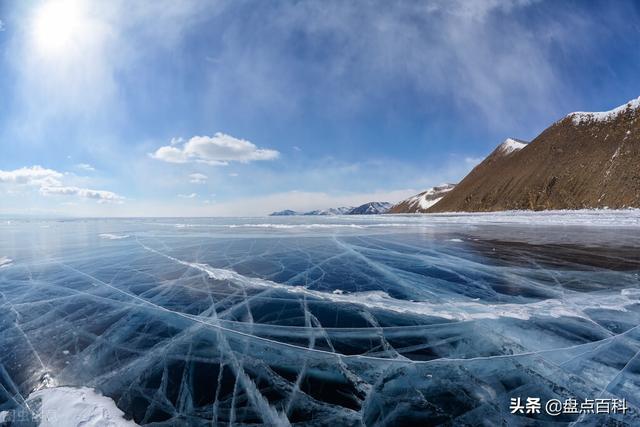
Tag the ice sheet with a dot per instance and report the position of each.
(384, 320)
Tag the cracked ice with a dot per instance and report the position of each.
(314, 321)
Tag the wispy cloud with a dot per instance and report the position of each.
(85, 167)
(197, 178)
(100, 195)
(219, 149)
(448, 52)
(188, 196)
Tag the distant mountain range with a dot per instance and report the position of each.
(344, 210)
(371, 208)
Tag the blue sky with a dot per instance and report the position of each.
(244, 107)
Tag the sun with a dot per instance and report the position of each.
(58, 25)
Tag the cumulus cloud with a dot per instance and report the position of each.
(100, 195)
(197, 178)
(219, 149)
(34, 175)
(50, 183)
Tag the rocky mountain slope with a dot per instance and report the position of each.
(343, 210)
(371, 208)
(423, 201)
(585, 160)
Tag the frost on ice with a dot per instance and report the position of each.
(320, 321)
(110, 236)
(68, 406)
(5, 261)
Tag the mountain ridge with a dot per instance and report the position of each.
(369, 208)
(584, 160)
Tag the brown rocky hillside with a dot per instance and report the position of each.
(585, 160)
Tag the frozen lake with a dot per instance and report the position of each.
(352, 320)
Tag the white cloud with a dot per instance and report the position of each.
(34, 175)
(198, 178)
(50, 183)
(1, 25)
(85, 167)
(100, 195)
(188, 196)
(219, 149)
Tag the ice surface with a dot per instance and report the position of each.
(110, 236)
(5, 262)
(377, 320)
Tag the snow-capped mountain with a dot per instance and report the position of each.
(343, 210)
(423, 201)
(371, 208)
(511, 145)
(585, 160)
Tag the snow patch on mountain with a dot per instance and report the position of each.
(511, 145)
(371, 208)
(426, 199)
(343, 210)
(423, 201)
(580, 117)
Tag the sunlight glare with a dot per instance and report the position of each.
(57, 26)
